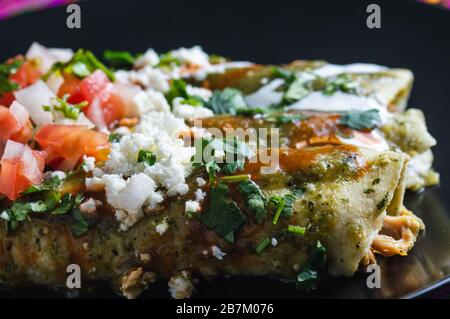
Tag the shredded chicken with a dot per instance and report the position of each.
(398, 235)
(368, 259)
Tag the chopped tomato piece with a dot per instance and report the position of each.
(21, 167)
(15, 124)
(105, 105)
(24, 76)
(65, 145)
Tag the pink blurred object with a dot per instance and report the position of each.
(9, 8)
(443, 3)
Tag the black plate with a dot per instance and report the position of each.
(412, 35)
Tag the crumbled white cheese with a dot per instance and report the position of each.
(122, 130)
(199, 195)
(149, 100)
(127, 196)
(194, 55)
(205, 94)
(180, 285)
(147, 185)
(147, 77)
(88, 163)
(274, 241)
(200, 181)
(217, 252)
(150, 57)
(162, 227)
(192, 206)
(187, 111)
(89, 206)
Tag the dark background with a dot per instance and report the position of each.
(412, 35)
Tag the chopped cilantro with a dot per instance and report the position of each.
(79, 225)
(223, 215)
(248, 111)
(263, 244)
(146, 157)
(232, 168)
(279, 202)
(70, 111)
(255, 199)
(284, 205)
(360, 120)
(6, 69)
(308, 276)
(297, 90)
(296, 229)
(119, 59)
(234, 152)
(193, 100)
(50, 184)
(227, 101)
(177, 89)
(341, 83)
(114, 138)
(82, 64)
(287, 118)
(167, 60)
(235, 178)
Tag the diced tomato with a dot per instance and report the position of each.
(96, 85)
(71, 86)
(24, 76)
(15, 124)
(105, 105)
(65, 145)
(21, 167)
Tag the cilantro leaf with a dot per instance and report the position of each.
(284, 205)
(79, 226)
(70, 111)
(359, 120)
(254, 198)
(6, 69)
(177, 89)
(263, 244)
(223, 215)
(114, 138)
(287, 118)
(82, 64)
(227, 101)
(167, 60)
(278, 72)
(146, 157)
(308, 276)
(232, 168)
(119, 59)
(50, 184)
(341, 83)
(297, 90)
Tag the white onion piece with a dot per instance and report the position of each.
(133, 196)
(33, 98)
(47, 57)
(13, 149)
(19, 112)
(54, 82)
(61, 55)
